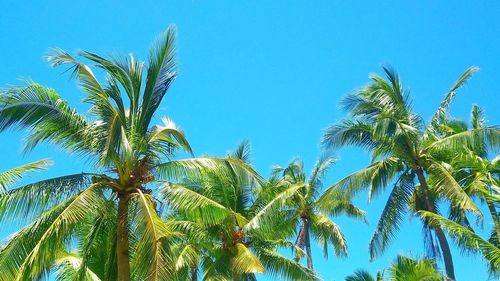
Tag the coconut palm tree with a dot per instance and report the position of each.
(303, 212)
(405, 152)
(111, 211)
(215, 210)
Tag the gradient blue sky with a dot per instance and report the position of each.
(271, 72)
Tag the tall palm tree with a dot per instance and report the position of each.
(306, 215)
(404, 152)
(216, 209)
(112, 210)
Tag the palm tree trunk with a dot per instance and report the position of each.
(194, 273)
(443, 243)
(299, 243)
(308, 244)
(494, 216)
(122, 239)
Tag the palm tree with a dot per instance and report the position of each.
(302, 210)
(112, 210)
(404, 152)
(215, 209)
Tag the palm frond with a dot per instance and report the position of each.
(467, 238)
(348, 132)
(69, 266)
(278, 266)
(31, 252)
(169, 136)
(440, 114)
(182, 198)
(328, 232)
(151, 260)
(360, 275)
(448, 187)
(29, 200)
(392, 215)
(244, 261)
(407, 269)
(48, 116)
(161, 73)
(269, 209)
(7, 178)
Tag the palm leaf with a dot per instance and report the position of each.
(392, 215)
(151, 261)
(9, 177)
(440, 114)
(31, 252)
(467, 238)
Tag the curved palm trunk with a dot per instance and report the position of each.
(443, 243)
(194, 273)
(308, 244)
(122, 239)
(304, 241)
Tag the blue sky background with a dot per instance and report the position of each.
(271, 72)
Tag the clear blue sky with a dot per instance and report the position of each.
(271, 72)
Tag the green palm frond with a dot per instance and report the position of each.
(69, 267)
(360, 275)
(7, 178)
(265, 213)
(348, 132)
(182, 198)
(193, 168)
(326, 231)
(278, 266)
(340, 203)
(440, 114)
(467, 239)
(407, 269)
(151, 261)
(187, 257)
(94, 243)
(161, 73)
(392, 215)
(242, 152)
(31, 252)
(49, 118)
(375, 174)
(319, 171)
(29, 200)
(167, 137)
(448, 187)
(244, 261)
(475, 139)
